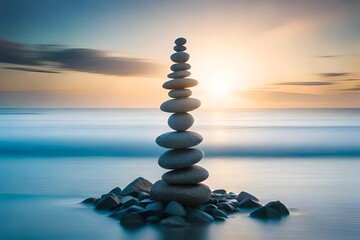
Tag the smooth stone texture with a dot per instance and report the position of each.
(180, 83)
(180, 57)
(180, 121)
(219, 191)
(107, 203)
(180, 41)
(132, 220)
(130, 203)
(243, 195)
(265, 213)
(249, 203)
(180, 93)
(175, 209)
(180, 105)
(179, 74)
(153, 219)
(137, 186)
(187, 195)
(179, 139)
(180, 67)
(116, 191)
(217, 214)
(126, 198)
(226, 207)
(143, 195)
(156, 206)
(180, 158)
(122, 212)
(190, 175)
(279, 207)
(179, 48)
(89, 201)
(173, 222)
(198, 216)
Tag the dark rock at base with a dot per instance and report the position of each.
(89, 201)
(174, 222)
(217, 214)
(118, 214)
(146, 201)
(228, 208)
(248, 203)
(190, 175)
(243, 195)
(198, 216)
(219, 191)
(143, 195)
(265, 213)
(208, 207)
(156, 206)
(153, 219)
(107, 203)
(116, 191)
(137, 186)
(279, 207)
(130, 203)
(132, 220)
(145, 213)
(175, 209)
(187, 195)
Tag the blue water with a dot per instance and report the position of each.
(50, 159)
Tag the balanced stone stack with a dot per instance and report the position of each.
(182, 184)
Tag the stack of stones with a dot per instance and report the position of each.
(182, 184)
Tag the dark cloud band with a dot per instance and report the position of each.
(76, 59)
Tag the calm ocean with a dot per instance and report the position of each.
(50, 159)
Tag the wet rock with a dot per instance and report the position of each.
(174, 222)
(132, 220)
(116, 191)
(175, 209)
(156, 206)
(153, 219)
(217, 214)
(108, 203)
(143, 195)
(89, 201)
(248, 203)
(198, 216)
(137, 186)
(243, 195)
(219, 191)
(118, 214)
(226, 207)
(279, 207)
(265, 213)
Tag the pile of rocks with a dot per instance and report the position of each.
(182, 184)
(134, 207)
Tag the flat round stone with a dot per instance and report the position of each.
(190, 175)
(180, 41)
(180, 105)
(180, 93)
(180, 158)
(180, 83)
(187, 195)
(180, 66)
(180, 57)
(179, 139)
(179, 74)
(179, 48)
(180, 121)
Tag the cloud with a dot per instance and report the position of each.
(76, 59)
(30, 70)
(355, 88)
(334, 74)
(328, 56)
(305, 83)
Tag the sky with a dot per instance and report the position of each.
(116, 54)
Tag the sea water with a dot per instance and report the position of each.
(51, 159)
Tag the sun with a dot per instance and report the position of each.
(219, 89)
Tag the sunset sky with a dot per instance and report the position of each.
(115, 53)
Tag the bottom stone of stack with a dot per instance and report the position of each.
(187, 195)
